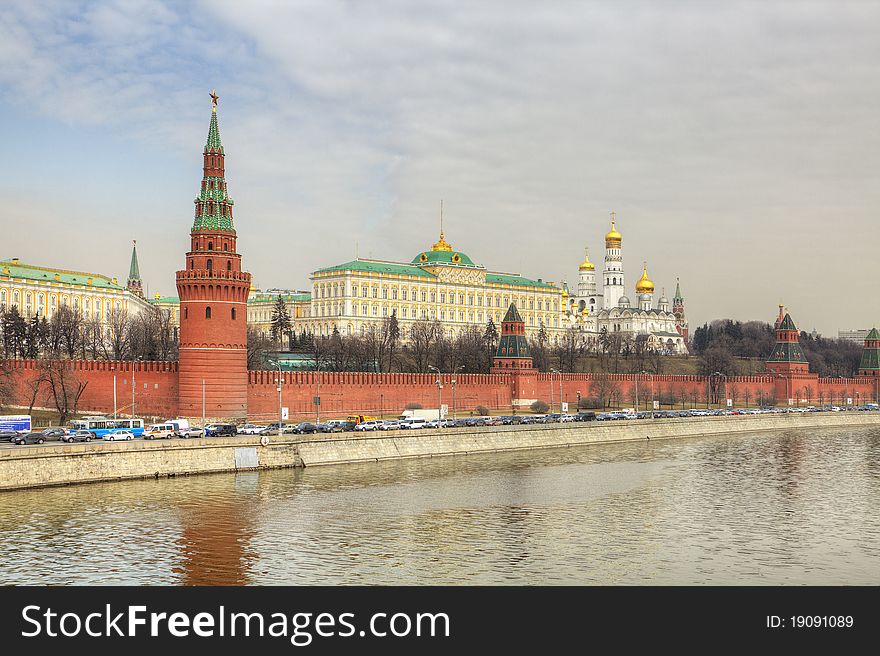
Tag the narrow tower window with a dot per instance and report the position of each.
(209, 264)
(210, 245)
(186, 313)
(228, 265)
(208, 312)
(233, 314)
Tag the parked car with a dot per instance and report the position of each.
(8, 436)
(78, 436)
(347, 426)
(585, 416)
(251, 429)
(370, 425)
(29, 438)
(120, 434)
(54, 433)
(413, 423)
(390, 424)
(304, 427)
(191, 431)
(220, 430)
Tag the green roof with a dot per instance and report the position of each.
(9, 268)
(873, 334)
(378, 266)
(214, 134)
(512, 314)
(288, 298)
(786, 323)
(514, 279)
(134, 272)
(452, 258)
(787, 352)
(165, 299)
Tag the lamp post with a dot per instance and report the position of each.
(652, 393)
(203, 403)
(439, 396)
(637, 393)
(381, 405)
(556, 371)
(114, 396)
(280, 382)
(724, 376)
(454, 371)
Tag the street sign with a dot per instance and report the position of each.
(791, 402)
(656, 405)
(729, 403)
(316, 400)
(849, 400)
(565, 406)
(444, 410)
(284, 414)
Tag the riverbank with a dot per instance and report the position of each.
(61, 464)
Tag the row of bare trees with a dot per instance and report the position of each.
(148, 335)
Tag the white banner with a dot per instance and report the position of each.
(729, 403)
(565, 406)
(284, 414)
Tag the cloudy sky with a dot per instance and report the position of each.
(738, 143)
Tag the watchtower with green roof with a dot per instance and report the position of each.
(870, 364)
(513, 347)
(135, 285)
(787, 357)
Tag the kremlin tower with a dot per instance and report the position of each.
(135, 285)
(513, 347)
(787, 358)
(870, 364)
(213, 294)
(681, 322)
(612, 285)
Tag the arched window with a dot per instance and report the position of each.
(210, 245)
(186, 313)
(233, 314)
(228, 265)
(225, 245)
(192, 264)
(208, 312)
(209, 264)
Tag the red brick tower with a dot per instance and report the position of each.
(513, 348)
(681, 322)
(787, 358)
(213, 294)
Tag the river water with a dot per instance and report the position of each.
(793, 507)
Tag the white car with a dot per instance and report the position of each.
(119, 434)
(390, 424)
(413, 422)
(371, 425)
(251, 429)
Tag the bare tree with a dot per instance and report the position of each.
(65, 386)
(258, 345)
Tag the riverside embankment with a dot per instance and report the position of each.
(23, 467)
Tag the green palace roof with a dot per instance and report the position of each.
(16, 269)
(453, 258)
(165, 299)
(514, 279)
(378, 266)
(288, 298)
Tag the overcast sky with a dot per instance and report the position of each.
(738, 143)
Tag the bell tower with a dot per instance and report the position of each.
(213, 292)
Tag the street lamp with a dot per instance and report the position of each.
(718, 373)
(280, 382)
(652, 392)
(439, 396)
(454, 371)
(556, 371)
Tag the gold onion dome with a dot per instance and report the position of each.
(586, 265)
(441, 245)
(613, 238)
(644, 285)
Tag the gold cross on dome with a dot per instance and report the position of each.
(612, 215)
(214, 97)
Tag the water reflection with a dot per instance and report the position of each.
(764, 508)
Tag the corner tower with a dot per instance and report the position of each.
(513, 348)
(870, 364)
(213, 294)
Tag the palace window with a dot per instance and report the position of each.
(394, 294)
(403, 291)
(424, 297)
(433, 297)
(364, 292)
(385, 292)
(461, 299)
(442, 297)
(375, 310)
(375, 292)
(364, 309)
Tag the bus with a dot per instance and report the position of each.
(18, 423)
(100, 426)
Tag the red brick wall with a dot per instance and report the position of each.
(370, 393)
(155, 383)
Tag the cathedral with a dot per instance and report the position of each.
(609, 311)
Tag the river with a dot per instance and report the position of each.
(787, 507)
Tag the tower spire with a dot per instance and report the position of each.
(135, 284)
(213, 204)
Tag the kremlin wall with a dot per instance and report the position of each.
(211, 377)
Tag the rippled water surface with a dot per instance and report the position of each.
(767, 508)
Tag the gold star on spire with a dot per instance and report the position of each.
(214, 99)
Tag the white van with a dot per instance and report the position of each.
(413, 422)
(160, 431)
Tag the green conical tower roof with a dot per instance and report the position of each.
(134, 272)
(213, 205)
(214, 142)
(677, 296)
(871, 354)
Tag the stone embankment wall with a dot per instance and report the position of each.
(106, 461)
(99, 461)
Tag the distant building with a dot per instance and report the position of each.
(857, 336)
